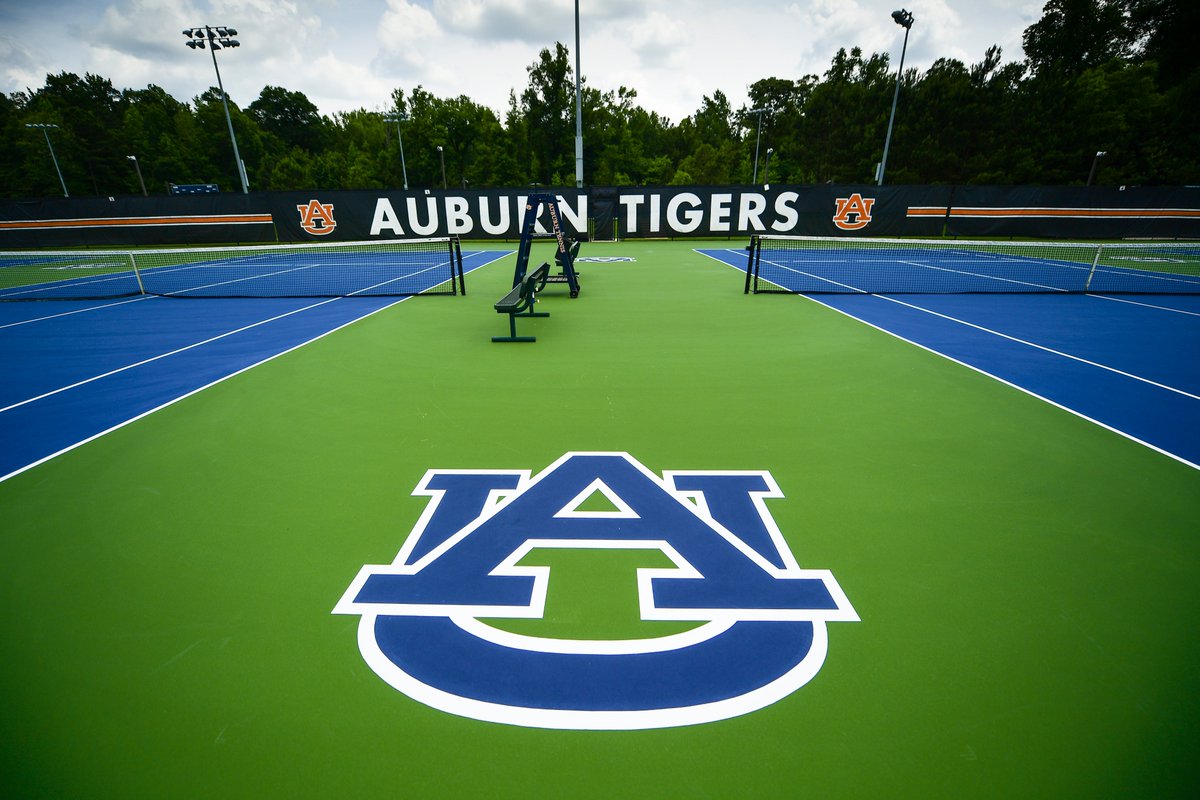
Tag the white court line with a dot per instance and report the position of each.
(77, 311)
(197, 390)
(1043, 348)
(1144, 305)
(984, 372)
(193, 345)
(140, 298)
(499, 255)
(160, 356)
(1010, 384)
(1018, 340)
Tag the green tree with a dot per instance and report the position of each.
(291, 117)
(547, 104)
(1073, 35)
(846, 117)
(1165, 33)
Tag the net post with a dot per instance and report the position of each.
(456, 260)
(755, 243)
(137, 273)
(1095, 261)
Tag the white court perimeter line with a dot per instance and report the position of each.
(981, 371)
(198, 389)
(1036, 346)
(224, 378)
(1018, 387)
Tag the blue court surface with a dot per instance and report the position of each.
(75, 369)
(1130, 363)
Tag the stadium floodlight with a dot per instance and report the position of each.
(1095, 161)
(397, 118)
(905, 20)
(45, 128)
(138, 167)
(442, 158)
(215, 39)
(578, 108)
(757, 139)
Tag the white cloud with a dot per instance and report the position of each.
(540, 22)
(405, 32)
(659, 40)
(347, 54)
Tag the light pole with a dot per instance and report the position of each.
(905, 20)
(139, 173)
(215, 39)
(1095, 161)
(442, 158)
(45, 128)
(578, 108)
(397, 118)
(757, 139)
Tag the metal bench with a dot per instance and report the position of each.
(519, 303)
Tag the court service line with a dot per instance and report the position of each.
(77, 311)
(981, 275)
(1144, 305)
(161, 356)
(1043, 348)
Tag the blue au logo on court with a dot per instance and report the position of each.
(757, 620)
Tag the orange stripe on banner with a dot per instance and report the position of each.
(120, 222)
(1071, 213)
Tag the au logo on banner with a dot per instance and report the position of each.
(758, 620)
(317, 217)
(853, 212)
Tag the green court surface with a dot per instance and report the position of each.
(1026, 581)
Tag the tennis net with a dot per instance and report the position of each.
(395, 267)
(803, 264)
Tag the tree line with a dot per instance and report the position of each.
(1099, 76)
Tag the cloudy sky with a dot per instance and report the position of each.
(349, 54)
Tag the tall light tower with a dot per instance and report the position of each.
(1095, 161)
(397, 118)
(578, 108)
(45, 128)
(905, 20)
(757, 139)
(139, 174)
(215, 39)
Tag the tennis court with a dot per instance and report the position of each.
(820, 265)
(1107, 332)
(996, 594)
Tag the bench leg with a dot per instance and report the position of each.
(512, 331)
